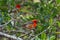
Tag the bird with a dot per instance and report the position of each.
(18, 6)
(31, 24)
(16, 9)
(29, 28)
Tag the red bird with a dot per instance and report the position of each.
(31, 25)
(18, 6)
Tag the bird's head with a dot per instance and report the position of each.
(34, 21)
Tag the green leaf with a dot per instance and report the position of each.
(43, 36)
(58, 1)
(37, 38)
(58, 23)
(52, 38)
(51, 21)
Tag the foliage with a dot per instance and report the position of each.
(45, 12)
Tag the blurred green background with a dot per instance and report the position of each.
(47, 12)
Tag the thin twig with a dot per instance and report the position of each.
(6, 23)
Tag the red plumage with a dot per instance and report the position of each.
(18, 6)
(34, 23)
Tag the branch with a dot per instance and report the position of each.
(5, 23)
(1, 26)
(8, 22)
(10, 36)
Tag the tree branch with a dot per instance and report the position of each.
(6, 23)
(10, 36)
